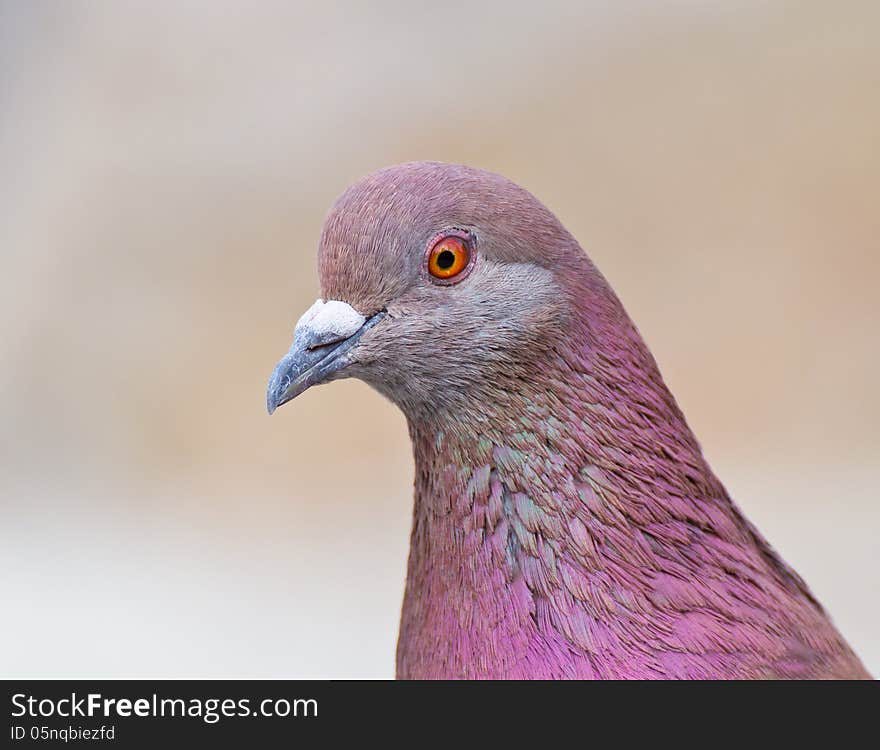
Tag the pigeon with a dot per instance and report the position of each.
(566, 524)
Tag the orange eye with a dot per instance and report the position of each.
(448, 258)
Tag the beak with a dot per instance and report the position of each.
(322, 346)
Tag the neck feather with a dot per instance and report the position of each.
(572, 528)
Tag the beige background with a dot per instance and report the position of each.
(165, 171)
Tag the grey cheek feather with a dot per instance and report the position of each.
(459, 340)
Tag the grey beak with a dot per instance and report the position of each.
(322, 346)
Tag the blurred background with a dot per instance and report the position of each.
(166, 168)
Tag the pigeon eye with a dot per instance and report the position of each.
(448, 257)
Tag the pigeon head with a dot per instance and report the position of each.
(441, 285)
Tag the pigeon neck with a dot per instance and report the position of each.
(568, 528)
(579, 459)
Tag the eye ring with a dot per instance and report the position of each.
(450, 256)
